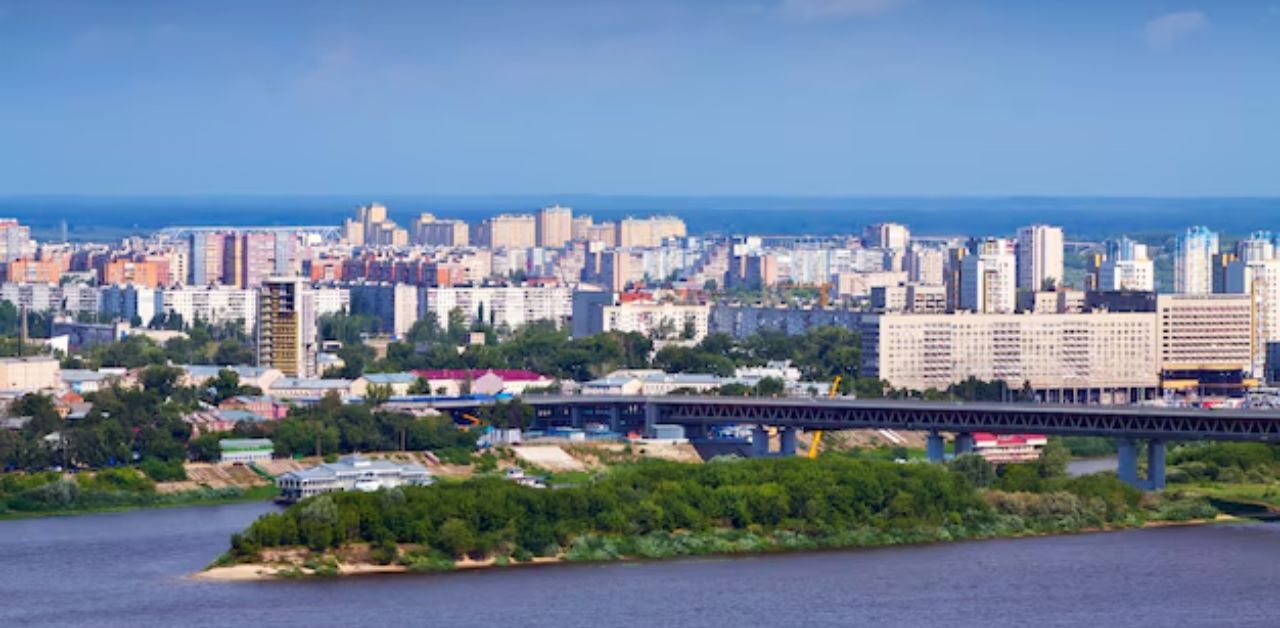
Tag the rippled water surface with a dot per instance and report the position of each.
(127, 569)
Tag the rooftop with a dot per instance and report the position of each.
(509, 375)
(391, 378)
(310, 384)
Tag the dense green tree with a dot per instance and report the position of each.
(231, 352)
(348, 328)
(377, 394)
(976, 469)
(160, 379)
(206, 447)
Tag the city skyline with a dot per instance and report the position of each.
(794, 97)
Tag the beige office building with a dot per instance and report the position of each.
(1205, 331)
(1104, 355)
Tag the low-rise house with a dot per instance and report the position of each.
(777, 369)
(84, 381)
(71, 405)
(265, 406)
(612, 386)
(666, 383)
(399, 383)
(217, 420)
(199, 374)
(30, 374)
(484, 382)
(350, 473)
(14, 423)
(314, 389)
(246, 450)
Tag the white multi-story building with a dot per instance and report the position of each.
(1039, 257)
(1134, 274)
(216, 305)
(1260, 280)
(329, 301)
(660, 321)
(887, 235)
(1260, 245)
(36, 297)
(1193, 264)
(81, 299)
(987, 279)
(15, 240)
(512, 306)
(926, 265)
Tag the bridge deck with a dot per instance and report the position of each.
(819, 413)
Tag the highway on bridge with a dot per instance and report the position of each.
(1127, 424)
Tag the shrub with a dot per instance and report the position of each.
(163, 470)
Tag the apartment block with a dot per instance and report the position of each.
(1111, 352)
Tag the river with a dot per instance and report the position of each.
(127, 569)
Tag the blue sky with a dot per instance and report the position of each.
(785, 97)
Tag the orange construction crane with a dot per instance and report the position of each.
(817, 436)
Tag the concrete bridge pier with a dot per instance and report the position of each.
(964, 443)
(1127, 469)
(1127, 448)
(1155, 465)
(759, 442)
(650, 417)
(935, 448)
(788, 441)
(575, 416)
(615, 418)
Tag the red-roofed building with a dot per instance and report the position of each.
(1006, 448)
(483, 381)
(264, 406)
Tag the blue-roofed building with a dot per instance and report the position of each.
(85, 381)
(303, 389)
(351, 473)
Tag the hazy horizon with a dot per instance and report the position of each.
(97, 217)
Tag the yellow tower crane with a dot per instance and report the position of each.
(817, 435)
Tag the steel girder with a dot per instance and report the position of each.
(1012, 420)
(1112, 421)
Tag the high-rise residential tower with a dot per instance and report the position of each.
(1193, 263)
(286, 326)
(1039, 257)
(555, 226)
(988, 276)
